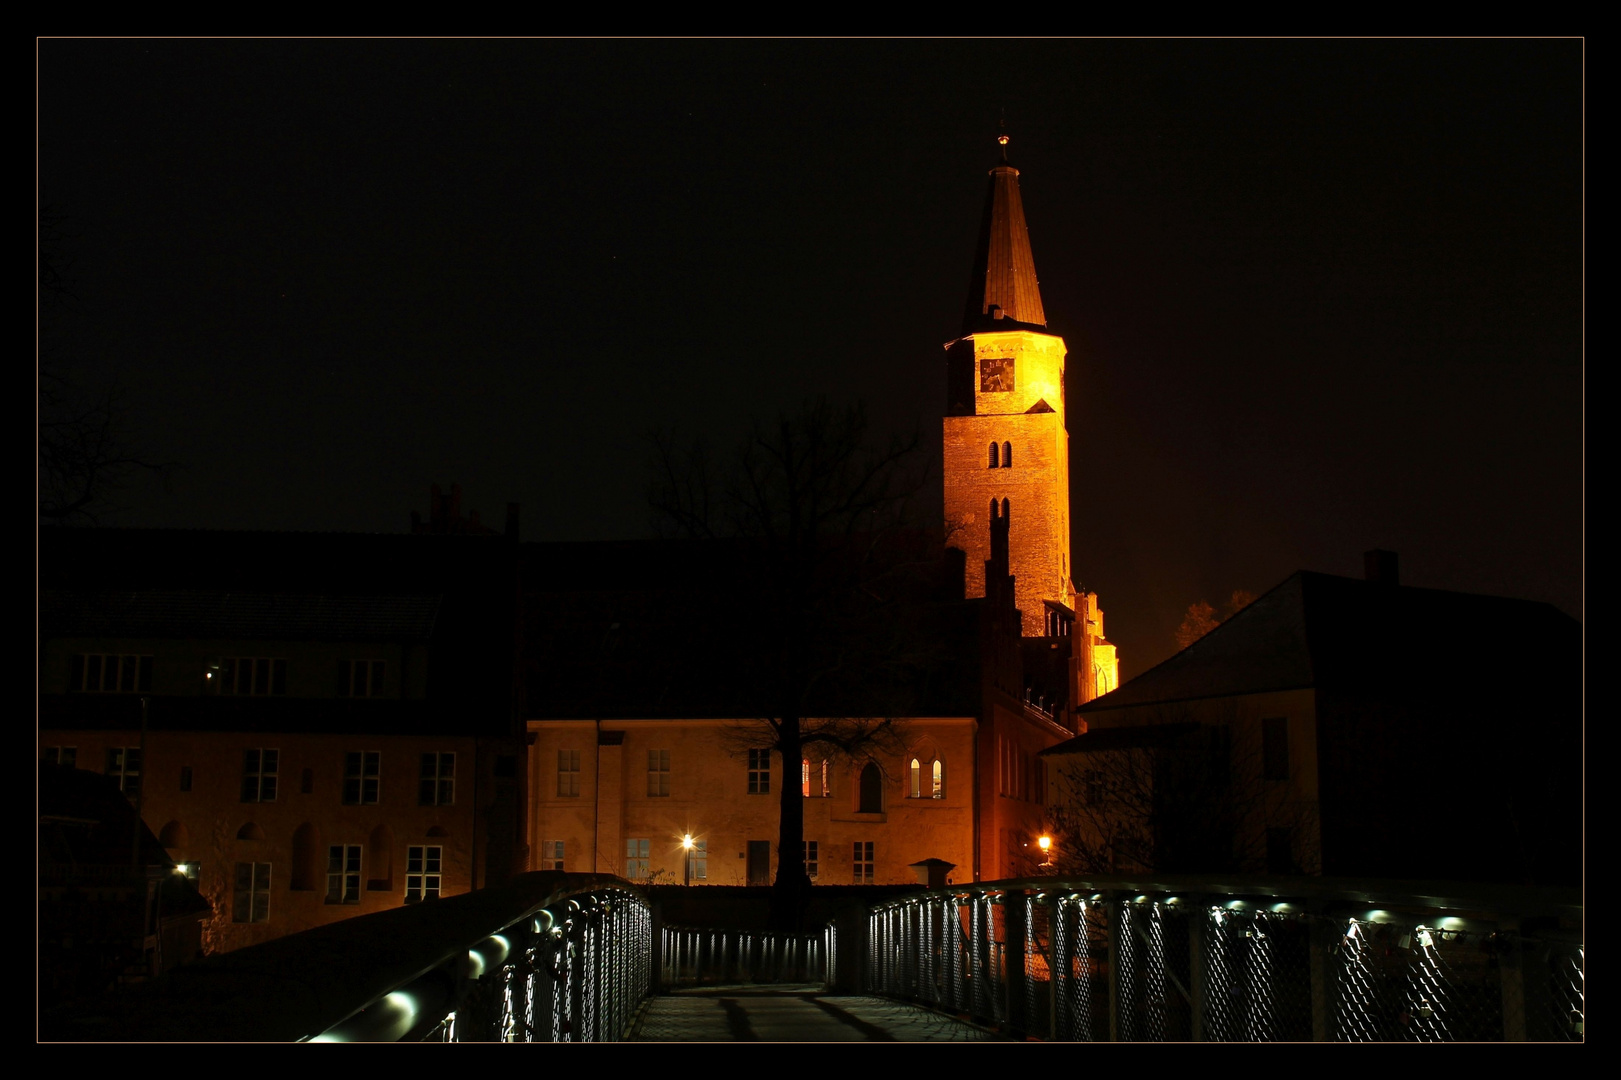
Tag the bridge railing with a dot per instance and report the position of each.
(1249, 960)
(698, 956)
(546, 957)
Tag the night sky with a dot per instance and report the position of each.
(1318, 296)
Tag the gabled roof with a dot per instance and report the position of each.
(1004, 273)
(1360, 637)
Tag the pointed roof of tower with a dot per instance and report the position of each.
(1003, 285)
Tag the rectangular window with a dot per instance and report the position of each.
(759, 772)
(637, 854)
(863, 863)
(810, 859)
(422, 873)
(812, 779)
(259, 775)
(362, 777)
(252, 675)
(109, 673)
(250, 901)
(343, 874)
(65, 756)
(658, 773)
(438, 786)
(551, 855)
(1275, 748)
(124, 766)
(698, 861)
(568, 774)
(360, 678)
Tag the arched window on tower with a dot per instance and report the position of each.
(1007, 455)
(995, 461)
(938, 787)
(1007, 509)
(914, 775)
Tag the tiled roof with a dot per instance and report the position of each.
(206, 614)
(1004, 273)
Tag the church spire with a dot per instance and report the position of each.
(1003, 285)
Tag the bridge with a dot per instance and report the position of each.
(555, 957)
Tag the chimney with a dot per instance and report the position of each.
(1380, 566)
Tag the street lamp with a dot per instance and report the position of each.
(1045, 843)
(686, 859)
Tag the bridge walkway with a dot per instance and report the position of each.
(793, 1014)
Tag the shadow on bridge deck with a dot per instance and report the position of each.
(793, 1014)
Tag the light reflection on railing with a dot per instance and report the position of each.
(1198, 959)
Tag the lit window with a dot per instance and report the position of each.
(422, 873)
(568, 774)
(914, 773)
(259, 775)
(438, 786)
(759, 772)
(698, 861)
(637, 854)
(254, 675)
(343, 874)
(250, 901)
(109, 673)
(658, 773)
(362, 777)
(551, 854)
(863, 862)
(360, 678)
(809, 785)
(938, 786)
(810, 858)
(124, 766)
(64, 756)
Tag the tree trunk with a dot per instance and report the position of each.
(792, 887)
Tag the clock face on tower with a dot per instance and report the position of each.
(995, 374)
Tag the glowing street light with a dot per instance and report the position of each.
(1045, 843)
(686, 859)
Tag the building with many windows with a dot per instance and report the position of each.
(314, 725)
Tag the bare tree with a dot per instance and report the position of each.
(83, 451)
(828, 565)
(1184, 792)
(1201, 618)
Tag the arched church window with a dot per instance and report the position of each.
(1007, 509)
(938, 788)
(872, 790)
(914, 775)
(1007, 455)
(995, 461)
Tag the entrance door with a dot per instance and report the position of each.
(759, 862)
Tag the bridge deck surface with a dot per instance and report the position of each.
(792, 1014)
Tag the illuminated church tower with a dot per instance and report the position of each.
(1007, 441)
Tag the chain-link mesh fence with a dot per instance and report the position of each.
(1162, 967)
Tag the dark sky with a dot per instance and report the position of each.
(1319, 296)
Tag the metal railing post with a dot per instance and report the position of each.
(1320, 942)
(1198, 920)
(1015, 929)
(1112, 907)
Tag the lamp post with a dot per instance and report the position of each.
(1045, 843)
(686, 859)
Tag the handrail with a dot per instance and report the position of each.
(301, 985)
